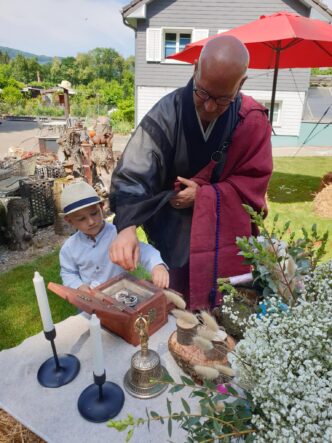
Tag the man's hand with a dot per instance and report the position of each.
(124, 250)
(160, 276)
(186, 197)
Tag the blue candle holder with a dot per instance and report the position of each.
(57, 371)
(100, 401)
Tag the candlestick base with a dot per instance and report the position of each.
(98, 408)
(52, 375)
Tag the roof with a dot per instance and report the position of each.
(131, 5)
(134, 4)
(323, 6)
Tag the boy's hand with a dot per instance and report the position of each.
(124, 250)
(85, 288)
(160, 276)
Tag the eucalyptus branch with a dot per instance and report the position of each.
(122, 425)
(231, 434)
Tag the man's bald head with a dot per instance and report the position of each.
(224, 53)
(220, 73)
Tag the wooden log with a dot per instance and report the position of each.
(185, 332)
(16, 229)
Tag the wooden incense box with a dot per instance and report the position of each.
(114, 314)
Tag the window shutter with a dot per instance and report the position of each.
(199, 34)
(153, 45)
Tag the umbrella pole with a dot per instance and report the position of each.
(274, 84)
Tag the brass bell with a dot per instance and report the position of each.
(141, 380)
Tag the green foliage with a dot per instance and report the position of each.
(124, 112)
(4, 57)
(11, 95)
(24, 69)
(122, 127)
(5, 76)
(280, 259)
(321, 71)
(217, 419)
(102, 79)
(279, 264)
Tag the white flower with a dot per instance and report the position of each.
(286, 361)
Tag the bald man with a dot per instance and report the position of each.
(196, 157)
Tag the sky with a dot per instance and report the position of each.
(66, 27)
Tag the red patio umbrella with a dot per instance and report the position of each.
(280, 40)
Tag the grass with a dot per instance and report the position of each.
(292, 188)
(19, 314)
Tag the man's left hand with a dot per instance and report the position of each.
(186, 197)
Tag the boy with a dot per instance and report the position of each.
(84, 258)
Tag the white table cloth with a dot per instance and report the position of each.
(52, 413)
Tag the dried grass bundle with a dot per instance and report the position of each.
(226, 370)
(206, 372)
(202, 343)
(175, 299)
(210, 321)
(186, 316)
(204, 332)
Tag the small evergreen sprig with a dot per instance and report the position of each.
(217, 420)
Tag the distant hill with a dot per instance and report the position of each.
(13, 52)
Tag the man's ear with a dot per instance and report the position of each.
(242, 81)
(195, 66)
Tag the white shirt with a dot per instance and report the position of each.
(86, 261)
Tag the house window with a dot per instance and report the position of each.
(175, 42)
(276, 111)
(162, 42)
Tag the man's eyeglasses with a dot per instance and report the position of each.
(220, 101)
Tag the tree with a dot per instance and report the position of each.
(24, 69)
(4, 58)
(86, 71)
(12, 95)
(5, 75)
(55, 71)
(108, 63)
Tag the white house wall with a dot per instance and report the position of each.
(147, 97)
(291, 109)
(291, 105)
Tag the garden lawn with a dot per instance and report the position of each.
(292, 188)
(19, 313)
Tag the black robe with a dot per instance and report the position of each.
(167, 143)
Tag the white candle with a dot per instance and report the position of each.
(42, 299)
(97, 346)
